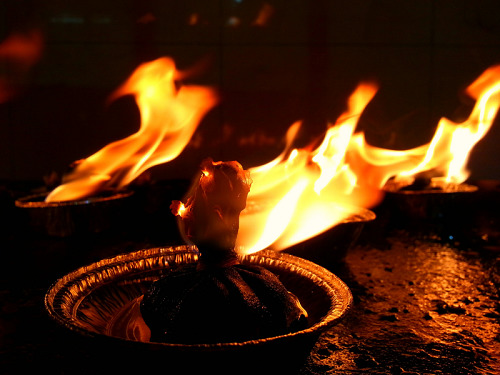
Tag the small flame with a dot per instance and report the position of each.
(304, 192)
(169, 117)
(265, 13)
(21, 52)
(178, 208)
(375, 166)
(449, 149)
(445, 157)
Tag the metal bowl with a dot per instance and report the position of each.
(62, 219)
(331, 246)
(444, 213)
(429, 204)
(99, 301)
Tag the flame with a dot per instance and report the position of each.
(21, 52)
(169, 117)
(301, 193)
(449, 149)
(304, 192)
(445, 157)
(178, 208)
(265, 13)
(376, 165)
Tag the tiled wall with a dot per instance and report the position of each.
(301, 64)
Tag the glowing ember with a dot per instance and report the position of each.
(169, 117)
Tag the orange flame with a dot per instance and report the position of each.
(445, 157)
(265, 13)
(449, 150)
(304, 192)
(169, 117)
(20, 52)
(375, 165)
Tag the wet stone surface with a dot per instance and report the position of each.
(420, 307)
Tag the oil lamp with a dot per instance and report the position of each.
(427, 184)
(99, 302)
(95, 214)
(92, 195)
(429, 200)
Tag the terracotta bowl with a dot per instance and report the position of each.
(99, 302)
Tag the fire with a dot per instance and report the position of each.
(449, 150)
(304, 192)
(169, 117)
(377, 165)
(445, 157)
(19, 52)
(178, 208)
(265, 13)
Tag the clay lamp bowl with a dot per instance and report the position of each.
(100, 303)
(95, 214)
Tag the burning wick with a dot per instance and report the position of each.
(220, 300)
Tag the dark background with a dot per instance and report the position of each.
(302, 64)
(425, 291)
